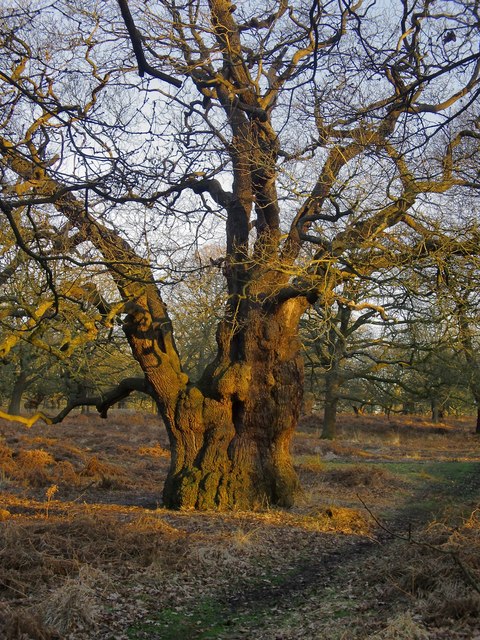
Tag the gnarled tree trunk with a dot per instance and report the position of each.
(230, 434)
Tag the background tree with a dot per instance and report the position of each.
(468, 334)
(459, 299)
(421, 365)
(343, 345)
(318, 134)
(54, 342)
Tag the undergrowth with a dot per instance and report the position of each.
(81, 558)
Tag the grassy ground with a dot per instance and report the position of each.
(383, 544)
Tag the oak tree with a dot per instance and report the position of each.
(319, 137)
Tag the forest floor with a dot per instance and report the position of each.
(384, 543)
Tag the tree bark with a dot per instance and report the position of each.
(438, 411)
(231, 434)
(19, 387)
(469, 352)
(336, 347)
(332, 388)
(475, 389)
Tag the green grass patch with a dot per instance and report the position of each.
(460, 472)
(438, 487)
(443, 472)
(201, 622)
(205, 621)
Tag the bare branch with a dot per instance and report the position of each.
(375, 308)
(136, 39)
(426, 545)
(104, 402)
(28, 422)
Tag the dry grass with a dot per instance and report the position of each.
(155, 451)
(81, 558)
(360, 476)
(439, 573)
(74, 604)
(23, 625)
(402, 627)
(61, 568)
(105, 474)
(410, 437)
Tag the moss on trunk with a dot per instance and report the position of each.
(231, 440)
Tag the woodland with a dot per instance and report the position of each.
(283, 170)
(239, 319)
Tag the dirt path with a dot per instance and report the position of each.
(337, 583)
